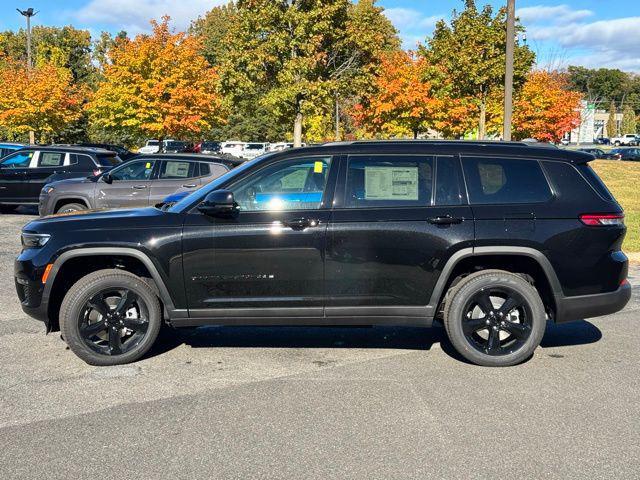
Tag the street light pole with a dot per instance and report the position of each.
(28, 13)
(508, 74)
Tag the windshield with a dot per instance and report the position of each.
(198, 195)
(254, 146)
(153, 143)
(175, 144)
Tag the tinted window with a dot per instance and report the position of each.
(140, 170)
(50, 159)
(176, 169)
(84, 162)
(290, 185)
(492, 181)
(204, 169)
(108, 160)
(449, 190)
(595, 181)
(389, 181)
(18, 160)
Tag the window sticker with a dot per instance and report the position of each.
(317, 167)
(177, 169)
(148, 165)
(391, 183)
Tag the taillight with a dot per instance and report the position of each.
(602, 219)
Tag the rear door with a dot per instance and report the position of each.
(174, 174)
(13, 176)
(397, 220)
(48, 163)
(129, 187)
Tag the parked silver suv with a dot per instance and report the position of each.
(143, 181)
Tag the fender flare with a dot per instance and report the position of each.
(119, 251)
(537, 255)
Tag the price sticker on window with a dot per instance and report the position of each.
(317, 167)
(148, 165)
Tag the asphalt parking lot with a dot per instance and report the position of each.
(317, 403)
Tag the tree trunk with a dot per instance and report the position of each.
(297, 128)
(415, 134)
(483, 120)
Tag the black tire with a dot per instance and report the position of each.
(71, 207)
(126, 317)
(493, 336)
(8, 208)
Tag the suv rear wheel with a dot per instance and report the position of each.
(494, 318)
(110, 317)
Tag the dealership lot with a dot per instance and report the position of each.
(317, 403)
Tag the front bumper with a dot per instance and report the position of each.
(30, 290)
(588, 306)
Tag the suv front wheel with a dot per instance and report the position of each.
(110, 317)
(494, 318)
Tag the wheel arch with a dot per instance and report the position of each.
(530, 261)
(85, 259)
(71, 199)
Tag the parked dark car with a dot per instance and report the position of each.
(491, 238)
(143, 181)
(175, 146)
(123, 152)
(599, 153)
(7, 147)
(209, 147)
(602, 141)
(629, 154)
(25, 172)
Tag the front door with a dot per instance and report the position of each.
(269, 260)
(13, 177)
(129, 186)
(396, 222)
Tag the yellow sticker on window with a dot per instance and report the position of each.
(317, 167)
(148, 165)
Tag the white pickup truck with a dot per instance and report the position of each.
(628, 139)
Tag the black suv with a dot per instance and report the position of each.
(25, 172)
(493, 239)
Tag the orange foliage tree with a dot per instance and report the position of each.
(546, 109)
(43, 99)
(157, 85)
(403, 101)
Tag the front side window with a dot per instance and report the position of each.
(389, 181)
(18, 160)
(133, 171)
(502, 181)
(173, 169)
(290, 185)
(51, 159)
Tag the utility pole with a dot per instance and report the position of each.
(337, 120)
(28, 13)
(508, 73)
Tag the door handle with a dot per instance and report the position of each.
(189, 185)
(445, 220)
(301, 223)
(139, 187)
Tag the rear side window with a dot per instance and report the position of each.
(108, 160)
(83, 162)
(51, 159)
(448, 182)
(595, 181)
(173, 169)
(389, 181)
(503, 181)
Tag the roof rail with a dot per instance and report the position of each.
(432, 142)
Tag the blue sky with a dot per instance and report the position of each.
(594, 33)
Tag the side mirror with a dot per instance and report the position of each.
(219, 203)
(107, 178)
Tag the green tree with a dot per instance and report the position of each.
(612, 124)
(628, 124)
(213, 28)
(295, 56)
(470, 54)
(602, 84)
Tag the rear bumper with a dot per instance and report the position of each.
(588, 306)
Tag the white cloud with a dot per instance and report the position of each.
(555, 14)
(134, 15)
(414, 26)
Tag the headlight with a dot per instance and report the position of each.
(48, 190)
(34, 240)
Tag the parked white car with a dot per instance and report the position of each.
(629, 139)
(253, 150)
(279, 146)
(233, 147)
(152, 146)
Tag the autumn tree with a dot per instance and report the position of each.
(402, 102)
(212, 28)
(43, 99)
(157, 85)
(546, 109)
(470, 50)
(628, 124)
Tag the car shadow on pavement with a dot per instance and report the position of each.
(406, 338)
